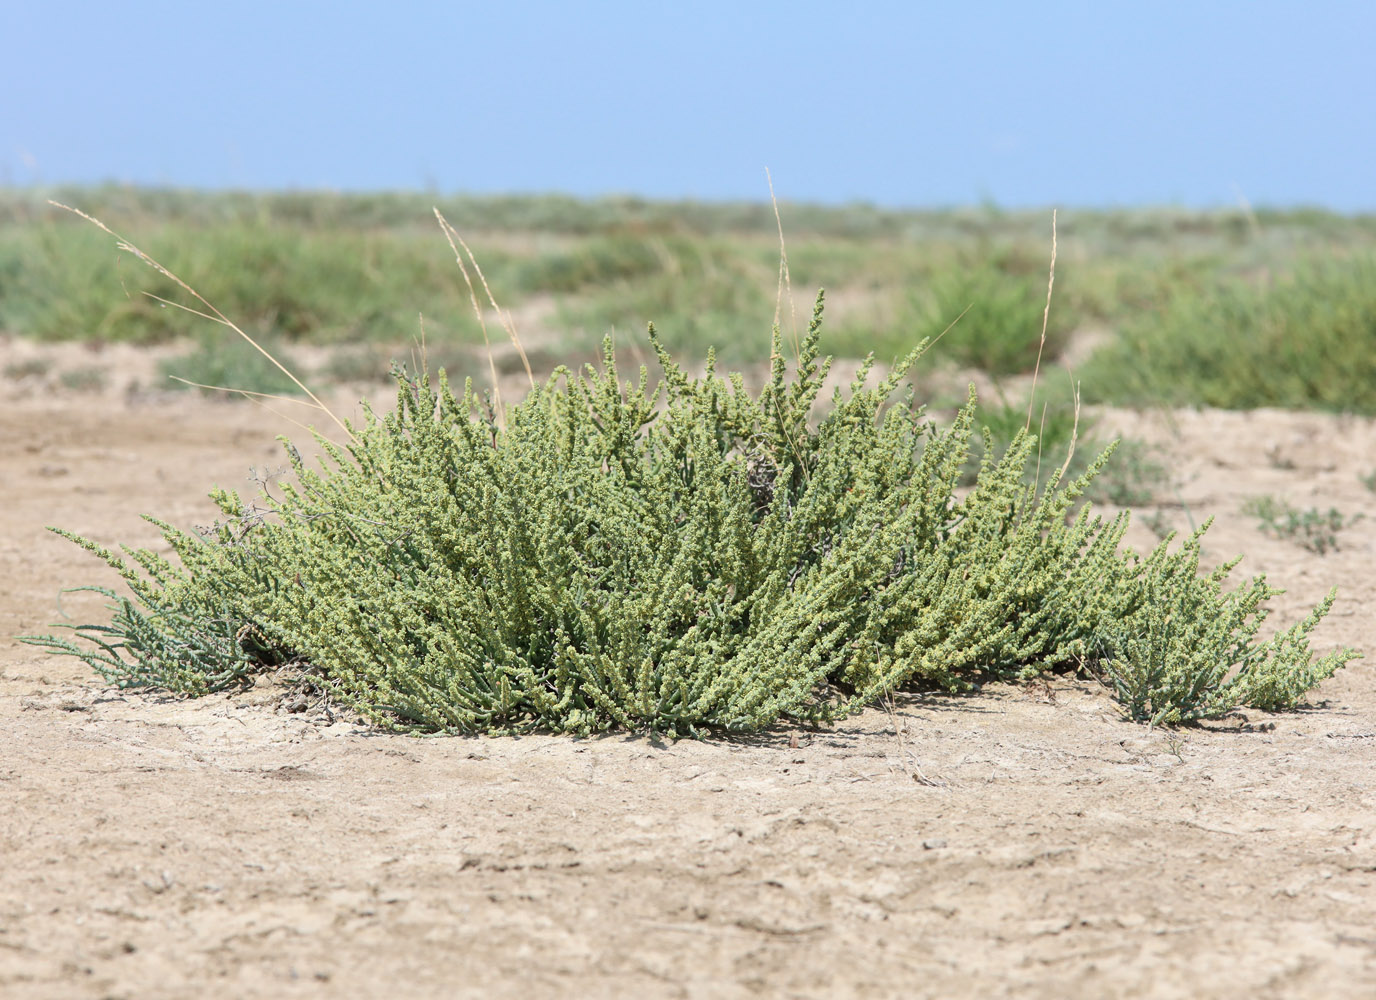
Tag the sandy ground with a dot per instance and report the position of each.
(1021, 842)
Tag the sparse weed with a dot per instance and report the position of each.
(1159, 523)
(1176, 744)
(221, 362)
(88, 378)
(1310, 528)
(29, 368)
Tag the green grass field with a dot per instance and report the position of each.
(1227, 308)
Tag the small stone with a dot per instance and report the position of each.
(934, 844)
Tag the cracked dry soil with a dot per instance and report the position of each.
(1019, 842)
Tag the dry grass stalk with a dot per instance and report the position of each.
(251, 396)
(1046, 316)
(785, 280)
(452, 235)
(1074, 427)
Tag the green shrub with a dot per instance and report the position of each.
(996, 306)
(227, 362)
(87, 378)
(597, 262)
(687, 559)
(708, 301)
(1307, 342)
(330, 287)
(1053, 425)
(1001, 331)
(1132, 479)
(29, 368)
(1191, 651)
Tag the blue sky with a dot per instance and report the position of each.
(901, 104)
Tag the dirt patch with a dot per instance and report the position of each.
(1019, 842)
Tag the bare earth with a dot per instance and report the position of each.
(1021, 842)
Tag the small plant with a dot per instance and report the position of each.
(29, 368)
(1369, 480)
(1175, 746)
(1001, 327)
(85, 379)
(1311, 528)
(224, 363)
(1193, 652)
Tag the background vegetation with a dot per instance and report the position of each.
(1229, 308)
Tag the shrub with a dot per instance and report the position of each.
(87, 378)
(230, 363)
(1190, 651)
(684, 559)
(1053, 424)
(1132, 479)
(1309, 342)
(708, 299)
(1001, 331)
(993, 307)
(597, 262)
(29, 368)
(59, 281)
